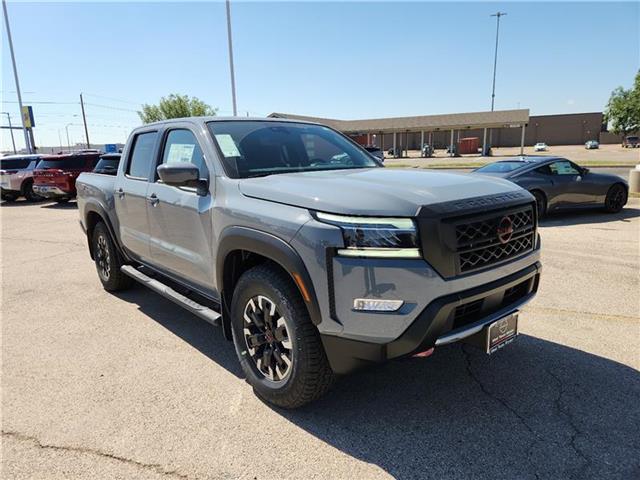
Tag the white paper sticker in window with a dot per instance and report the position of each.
(180, 152)
(227, 145)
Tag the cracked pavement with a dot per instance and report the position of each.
(127, 386)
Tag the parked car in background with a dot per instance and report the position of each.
(540, 147)
(591, 145)
(314, 258)
(55, 176)
(427, 150)
(108, 164)
(16, 176)
(558, 183)
(632, 141)
(376, 152)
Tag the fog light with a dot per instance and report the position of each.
(376, 305)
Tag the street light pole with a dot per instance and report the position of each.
(495, 57)
(233, 78)
(66, 127)
(27, 142)
(13, 142)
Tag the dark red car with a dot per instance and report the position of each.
(55, 176)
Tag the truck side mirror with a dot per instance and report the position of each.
(182, 174)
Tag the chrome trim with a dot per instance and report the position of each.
(473, 328)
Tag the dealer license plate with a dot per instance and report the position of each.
(501, 333)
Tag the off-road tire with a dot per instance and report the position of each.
(108, 261)
(310, 375)
(616, 198)
(541, 203)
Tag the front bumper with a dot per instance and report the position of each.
(48, 191)
(440, 323)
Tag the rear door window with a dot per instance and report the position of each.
(141, 156)
(181, 145)
(14, 163)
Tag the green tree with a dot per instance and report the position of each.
(175, 106)
(623, 109)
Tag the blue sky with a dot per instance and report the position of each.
(342, 60)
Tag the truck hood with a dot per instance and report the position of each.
(372, 191)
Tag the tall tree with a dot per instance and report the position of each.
(175, 106)
(623, 109)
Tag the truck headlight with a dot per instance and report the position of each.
(378, 237)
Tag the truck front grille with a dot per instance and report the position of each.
(494, 238)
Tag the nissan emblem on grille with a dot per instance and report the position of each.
(505, 229)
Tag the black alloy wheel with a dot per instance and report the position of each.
(616, 198)
(267, 338)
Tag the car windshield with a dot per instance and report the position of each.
(255, 148)
(107, 165)
(632, 139)
(501, 167)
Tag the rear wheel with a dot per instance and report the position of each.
(108, 260)
(278, 347)
(29, 194)
(541, 203)
(616, 198)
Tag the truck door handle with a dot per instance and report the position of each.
(153, 199)
(120, 193)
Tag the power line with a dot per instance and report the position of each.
(112, 98)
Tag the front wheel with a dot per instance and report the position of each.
(616, 198)
(108, 261)
(279, 349)
(541, 203)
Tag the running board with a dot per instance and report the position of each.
(194, 307)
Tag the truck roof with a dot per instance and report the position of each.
(225, 119)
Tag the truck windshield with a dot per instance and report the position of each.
(255, 148)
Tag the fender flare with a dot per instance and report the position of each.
(97, 208)
(273, 248)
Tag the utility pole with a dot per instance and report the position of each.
(233, 77)
(15, 75)
(13, 142)
(84, 120)
(495, 57)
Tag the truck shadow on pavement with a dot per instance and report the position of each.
(581, 217)
(536, 409)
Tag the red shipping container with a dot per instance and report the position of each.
(468, 145)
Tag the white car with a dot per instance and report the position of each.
(540, 147)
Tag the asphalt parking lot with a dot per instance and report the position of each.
(96, 385)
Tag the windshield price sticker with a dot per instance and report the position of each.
(227, 145)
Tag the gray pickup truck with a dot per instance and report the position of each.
(313, 258)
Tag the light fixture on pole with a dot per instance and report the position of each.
(27, 141)
(13, 142)
(233, 78)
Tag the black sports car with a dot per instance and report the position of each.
(558, 183)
